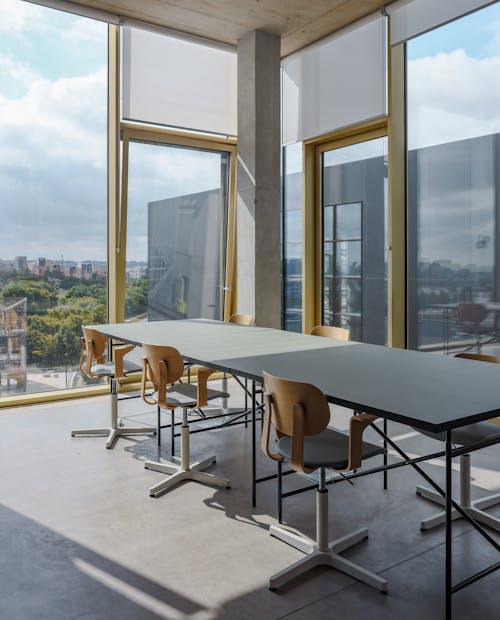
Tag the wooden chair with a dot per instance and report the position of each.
(338, 333)
(463, 436)
(242, 319)
(325, 331)
(469, 317)
(235, 413)
(93, 364)
(300, 415)
(163, 366)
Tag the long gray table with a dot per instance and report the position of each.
(431, 392)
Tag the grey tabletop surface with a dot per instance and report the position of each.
(433, 392)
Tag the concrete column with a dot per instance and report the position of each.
(258, 178)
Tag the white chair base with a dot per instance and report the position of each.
(322, 553)
(177, 474)
(186, 470)
(116, 428)
(113, 434)
(475, 509)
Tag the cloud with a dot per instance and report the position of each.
(20, 16)
(53, 165)
(451, 97)
(16, 71)
(53, 170)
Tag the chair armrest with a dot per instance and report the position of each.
(202, 386)
(88, 348)
(144, 380)
(118, 355)
(266, 430)
(357, 426)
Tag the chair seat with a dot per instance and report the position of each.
(328, 449)
(186, 395)
(108, 369)
(471, 433)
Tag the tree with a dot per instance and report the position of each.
(41, 295)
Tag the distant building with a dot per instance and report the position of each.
(137, 273)
(85, 270)
(13, 328)
(21, 263)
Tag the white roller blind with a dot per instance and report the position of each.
(409, 18)
(337, 82)
(178, 82)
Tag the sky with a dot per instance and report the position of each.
(53, 119)
(53, 126)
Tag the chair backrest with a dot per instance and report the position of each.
(467, 312)
(283, 396)
(161, 366)
(480, 358)
(93, 350)
(242, 319)
(339, 333)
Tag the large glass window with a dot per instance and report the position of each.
(292, 237)
(176, 232)
(354, 213)
(453, 184)
(53, 205)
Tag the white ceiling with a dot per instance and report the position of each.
(299, 22)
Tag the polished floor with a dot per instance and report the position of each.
(81, 539)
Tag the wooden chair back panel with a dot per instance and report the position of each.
(285, 395)
(480, 358)
(95, 345)
(242, 319)
(328, 331)
(170, 357)
(470, 313)
(93, 348)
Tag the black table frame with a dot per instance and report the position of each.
(113, 331)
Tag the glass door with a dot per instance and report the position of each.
(353, 243)
(177, 205)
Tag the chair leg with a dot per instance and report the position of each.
(280, 492)
(186, 470)
(116, 428)
(172, 433)
(320, 552)
(474, 509)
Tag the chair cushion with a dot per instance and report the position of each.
(328, 449)
(186, 395)
(108, 369)
(471, 433)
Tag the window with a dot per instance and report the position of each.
(177, 207)
(292, 237)
(453, 184)
(354, 213)
(53, 237)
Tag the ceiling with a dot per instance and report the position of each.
(299, 22)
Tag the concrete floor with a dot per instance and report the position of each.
(80, 537)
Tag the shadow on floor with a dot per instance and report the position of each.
(44, 575)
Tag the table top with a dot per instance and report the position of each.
(432, 392)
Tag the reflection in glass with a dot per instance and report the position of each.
(453, 184)
(328, 223)
(292, 237)
(348, 221)
(348, 258)
(293, 226)
(354, 239)
(177, 205)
